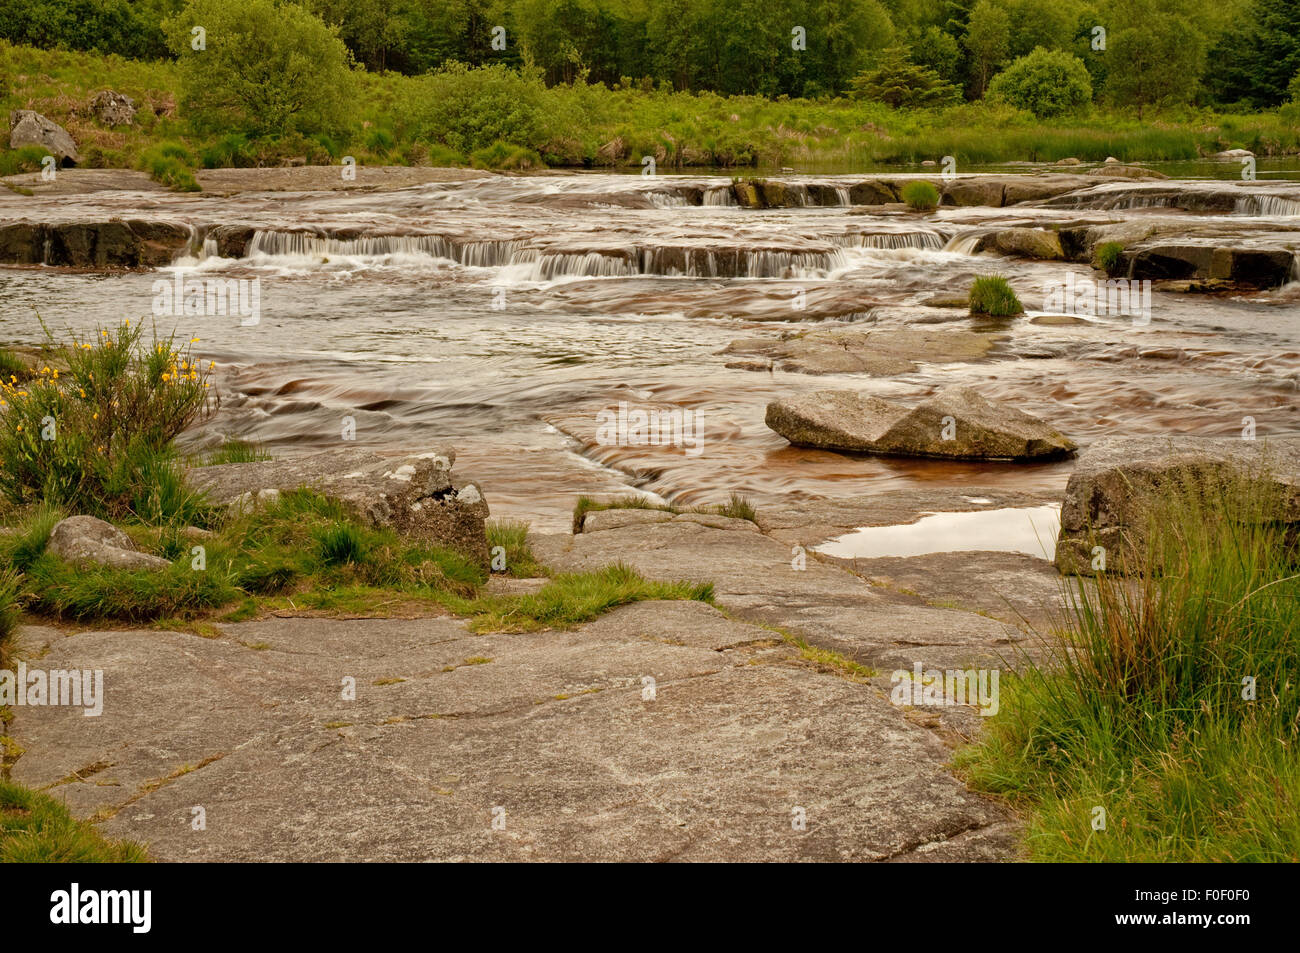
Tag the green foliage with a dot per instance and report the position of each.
(921, 196)
(35, 828)
(95, 437)
(573, 598)
(471, 109)
(992, 295)
(267, 68)
(234, 451)
(340, 545)
(1143, 707)
(900, 84)
(499, 155)
(26, 159)
(1045, 83)
(512, 537)
(171, 164)
(1158, 62)
(10, 614)
(105, 26)
(1109, 257)
(232, 151)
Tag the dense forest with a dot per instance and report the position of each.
(906, 52)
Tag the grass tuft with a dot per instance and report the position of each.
(992, 295)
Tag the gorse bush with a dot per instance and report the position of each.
(92, 429)
(992, 295)
(921, 196)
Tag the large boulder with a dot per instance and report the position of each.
(1109, 497)
(112, 109)
(86, 541)
(29, 128)
(417, 496)
(954, 423)
(1023, 243)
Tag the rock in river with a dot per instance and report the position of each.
(956, 423)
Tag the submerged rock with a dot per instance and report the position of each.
(86, 541)
(417, 496)
(29, 128)
(880, 352)
(957, 422)
(1110, 494)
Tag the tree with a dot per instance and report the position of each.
(987, 42)
(902, 84)
(1157, 63)
(1046, 82)
(1256, 58)
(936, 50)
(264, 68)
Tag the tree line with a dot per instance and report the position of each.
(906, 52)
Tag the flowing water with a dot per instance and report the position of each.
(490, 314)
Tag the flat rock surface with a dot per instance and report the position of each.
(550, 733)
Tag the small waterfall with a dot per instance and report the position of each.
(928, 241)
(210, 248)
(842, 194)
(962, 244)
(588, 265)
(668, 199)
(719, 197)
(1268, 206)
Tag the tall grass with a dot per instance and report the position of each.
(1173, 703)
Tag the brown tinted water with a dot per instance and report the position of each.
(492, 314)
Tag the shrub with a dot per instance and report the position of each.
(992, 295)
(500, 155)
(169, 164)
(921, 196)
(471, 109)
(1046, 82)
(267, 68)
(95, 437)
(231, 151)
